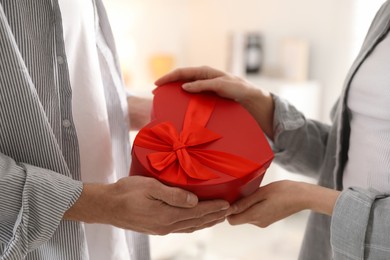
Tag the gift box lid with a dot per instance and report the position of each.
(200, 139)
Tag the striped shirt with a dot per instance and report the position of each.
(39, 152)
(368, 163)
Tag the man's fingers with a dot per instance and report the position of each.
(204, 212)
(174, 196)
(173, 219)
(191, 225)
(207, 225)
(189, 74)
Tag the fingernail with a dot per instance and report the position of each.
(234, 209)
(226, 206)
(186, 85)
(229, 212)
(192, 199)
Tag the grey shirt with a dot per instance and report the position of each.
(360, 226)
(39, 155)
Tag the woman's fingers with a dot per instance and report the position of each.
(189, 74)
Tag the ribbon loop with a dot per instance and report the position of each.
(178, 151)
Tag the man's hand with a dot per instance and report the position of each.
(146, 205)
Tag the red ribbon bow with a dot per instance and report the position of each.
(178, 158)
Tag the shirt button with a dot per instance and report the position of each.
(60, 60)
(66, 123)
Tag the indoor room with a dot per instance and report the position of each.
(300, 50)
(194, 129)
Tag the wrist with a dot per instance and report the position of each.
(91, 206)
(251, 95)
(320, 199)
(260, 105)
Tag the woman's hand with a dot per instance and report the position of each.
(281, 199)
(208, 79)
(257, 101)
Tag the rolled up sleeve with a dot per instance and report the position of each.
(360, 225)
(299, 143)
(33, 201)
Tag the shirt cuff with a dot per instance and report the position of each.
(349, 224)
(286, 118)
(46, 196)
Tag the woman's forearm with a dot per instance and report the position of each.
(320, 199)
(261, 106)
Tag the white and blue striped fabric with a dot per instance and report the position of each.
(39, 156)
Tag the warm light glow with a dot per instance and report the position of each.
(161, 64)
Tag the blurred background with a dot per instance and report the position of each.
(299, 49)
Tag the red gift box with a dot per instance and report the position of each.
(202, 143)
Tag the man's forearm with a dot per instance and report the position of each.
(145, 205)
(139, 110)
(89, 207)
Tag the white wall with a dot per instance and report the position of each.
(196, 33)
(334, 29)
(325, 24)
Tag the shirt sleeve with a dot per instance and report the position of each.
(299, 143)
(360, 225)
(33, 201)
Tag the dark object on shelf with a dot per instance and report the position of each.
(253, 53)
